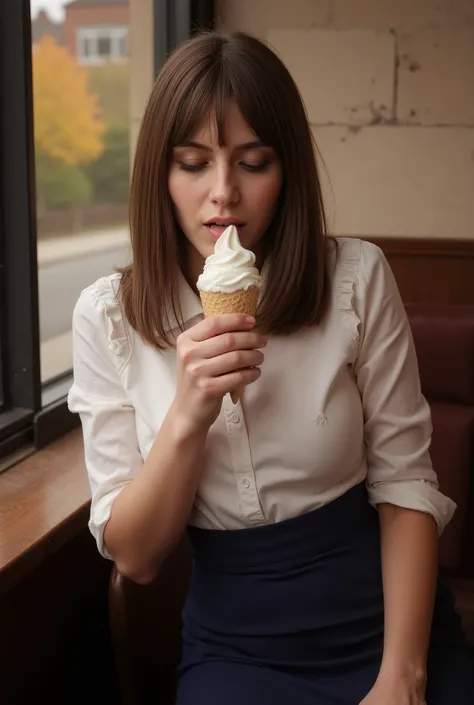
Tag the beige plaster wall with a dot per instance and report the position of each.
(389, 88)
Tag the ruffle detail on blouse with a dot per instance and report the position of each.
(346, 273)
(105, 295)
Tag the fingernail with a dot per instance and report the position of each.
(250, 319)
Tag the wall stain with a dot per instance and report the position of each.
(354, 129)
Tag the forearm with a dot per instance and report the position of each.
(409, 566)
(150, 513)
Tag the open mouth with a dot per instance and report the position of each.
(216, 229)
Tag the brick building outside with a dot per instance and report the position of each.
(96, 31)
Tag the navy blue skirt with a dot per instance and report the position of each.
(292, 614)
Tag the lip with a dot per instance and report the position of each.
(224, 221)
(216, 226)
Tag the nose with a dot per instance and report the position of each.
(224, 189)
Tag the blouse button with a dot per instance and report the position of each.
(115, 347)
(235, 418)
(246, 483)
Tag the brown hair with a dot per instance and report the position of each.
(202, 74)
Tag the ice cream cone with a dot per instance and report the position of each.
(215, 303)
(243, 301)
(230, 282)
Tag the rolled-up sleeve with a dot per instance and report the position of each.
(397, 417)
(111, 449)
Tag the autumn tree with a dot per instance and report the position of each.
(110, 173)
(68, 125)
(110, 82)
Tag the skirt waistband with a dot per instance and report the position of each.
(331, 527)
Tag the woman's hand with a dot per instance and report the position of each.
(397, 689)
(216, 356)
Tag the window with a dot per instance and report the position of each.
(95, 45)
(123, 46)
(104, 47)
(82, 148)
(63, 200)
(64, 156)
(85, 49)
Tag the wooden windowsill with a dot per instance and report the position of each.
(44, 502)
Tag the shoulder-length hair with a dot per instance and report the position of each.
(201, 76)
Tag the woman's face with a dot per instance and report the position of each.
(212, 186)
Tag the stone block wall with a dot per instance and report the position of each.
(389, 89)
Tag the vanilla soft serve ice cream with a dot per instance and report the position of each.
(230, 282)
(231, 268)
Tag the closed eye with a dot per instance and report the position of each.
(255, 167)
(262, 166)
(192, 167)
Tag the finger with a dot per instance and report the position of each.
(219, 386)
(227, 363)
(217, 325)
(227, 342)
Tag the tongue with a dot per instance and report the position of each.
(219, 228)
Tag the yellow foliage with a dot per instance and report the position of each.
(67, 118)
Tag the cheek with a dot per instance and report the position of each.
(265, 196)
(182, 194)
(185, 190)
(174, 189)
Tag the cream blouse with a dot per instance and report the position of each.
(336, 404)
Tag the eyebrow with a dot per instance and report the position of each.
(254, 144)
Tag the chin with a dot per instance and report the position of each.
(207, 250)
(204, 250)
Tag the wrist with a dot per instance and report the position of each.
(413, 672)
(183, 429)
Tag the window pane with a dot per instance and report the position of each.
(104, 47)
(87, 44)
(123, 47)
(82, 130)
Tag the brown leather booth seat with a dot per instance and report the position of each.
(145, 621)
(444, 340)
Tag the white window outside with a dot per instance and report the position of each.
(95, 45)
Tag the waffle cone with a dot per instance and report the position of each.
(243, 301)
(215, 303)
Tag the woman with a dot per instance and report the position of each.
(303, 593)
